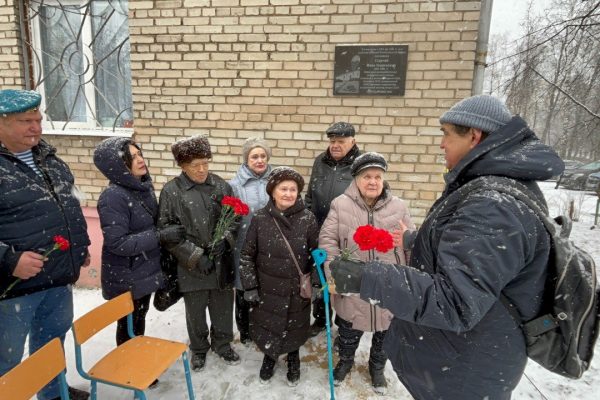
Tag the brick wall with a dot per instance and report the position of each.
(239, 68)
(11, 63)
(233, 69)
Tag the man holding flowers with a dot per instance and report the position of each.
(451, 336)
(43, 236)
(202, 203)
(357, 227)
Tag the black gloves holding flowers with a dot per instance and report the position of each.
(347, 275)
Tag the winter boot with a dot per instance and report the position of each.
(378, 380)
(342, 369)
(198, 360)
(266, 369)
(245, 338)
(230, 357)
(293, 374)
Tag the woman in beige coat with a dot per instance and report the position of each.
(368, 200)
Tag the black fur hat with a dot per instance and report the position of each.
(281, 174)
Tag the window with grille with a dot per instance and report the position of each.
(80, 62)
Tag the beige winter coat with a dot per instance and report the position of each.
(347, 213)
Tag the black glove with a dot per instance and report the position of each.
(251, 296)
(205, 265)
(171, 235)
(217, 250)
(347, 275)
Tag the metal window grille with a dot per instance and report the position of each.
(77, 55)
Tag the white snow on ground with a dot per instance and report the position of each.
(220, 381)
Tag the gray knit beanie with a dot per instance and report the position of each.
(482, 112)
(252, 143)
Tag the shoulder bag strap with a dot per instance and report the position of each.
(289, 247)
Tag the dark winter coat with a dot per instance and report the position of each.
(32, 211)
(328, 179)
(197, 207)
(128, 211)
(451, 338)
(280, 322)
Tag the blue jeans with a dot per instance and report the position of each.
(43, 316)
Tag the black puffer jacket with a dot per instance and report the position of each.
(32, 211)
(279, 324)
(328, 179)
(197, 207)
(451, 338)
(128, 211)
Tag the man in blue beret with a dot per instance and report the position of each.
(37, 206)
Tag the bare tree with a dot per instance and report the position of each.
(551, 76)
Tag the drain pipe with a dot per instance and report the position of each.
(24, 49)
(483, 36)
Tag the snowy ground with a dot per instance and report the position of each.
(220, 381)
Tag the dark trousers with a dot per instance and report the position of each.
(140, 309)
(220, 308)
(319, 311)
(242, 314)
(349, 339)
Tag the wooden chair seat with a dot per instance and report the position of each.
(132, 365)
(137, 362)
(33, 373)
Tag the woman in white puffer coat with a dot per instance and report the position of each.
(367, 201)
(249, 185)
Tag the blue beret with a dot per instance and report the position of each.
(14, 101)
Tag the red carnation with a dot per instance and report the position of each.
(383, 240)
(60, 243)
(364, 237)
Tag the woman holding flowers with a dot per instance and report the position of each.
(205, 257)
(362, 218)
(249, 185)
(278, 245)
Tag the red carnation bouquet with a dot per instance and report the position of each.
(367, 237)
(231, 209)
(60, 243)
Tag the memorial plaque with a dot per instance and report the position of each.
(373, 70)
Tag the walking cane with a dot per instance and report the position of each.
(319, 255)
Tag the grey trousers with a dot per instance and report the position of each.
(220, 310)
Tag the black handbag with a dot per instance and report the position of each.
(169, 294)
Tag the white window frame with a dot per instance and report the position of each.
(73, 128)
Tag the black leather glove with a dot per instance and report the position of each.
(347, 275)
(205, 265)
(251, 296)
(171, 235)
(218, 249)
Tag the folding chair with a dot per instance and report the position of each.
(36, 371)
(134, 364)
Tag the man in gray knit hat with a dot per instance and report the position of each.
(451, 336)
(330, 177)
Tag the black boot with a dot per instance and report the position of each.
(342, 369)
(377, 360)
(266, 369)
(378, 380)
(293, 374)
(198, 361)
